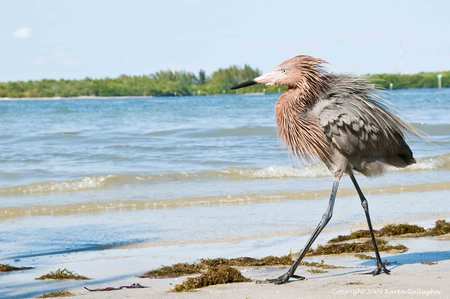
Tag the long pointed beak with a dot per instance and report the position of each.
(244, 84)
(270, 78)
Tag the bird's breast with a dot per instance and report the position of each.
(300, 131)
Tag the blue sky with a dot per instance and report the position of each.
(75, 39)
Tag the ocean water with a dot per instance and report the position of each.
(101, 175)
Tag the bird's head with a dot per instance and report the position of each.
(291, 73)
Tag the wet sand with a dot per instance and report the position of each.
(423, 271)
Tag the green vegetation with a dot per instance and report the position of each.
(62, 274)
(163, 83)
(178, 83)
(419, 80)
(56, 294)
(213, 276)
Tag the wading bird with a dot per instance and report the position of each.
(339, 120)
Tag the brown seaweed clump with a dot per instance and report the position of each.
(182, 269)
(316, 271)
(356, 247)
(248, 261)
(354, 235)
(363, 256)
(62, 274)
(441, 227)
(321, 265)
(9, 268)
(400, 229)
(213, 276)
(176, 270)
(386, 231)
(56, 294)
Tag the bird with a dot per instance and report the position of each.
(342, 121)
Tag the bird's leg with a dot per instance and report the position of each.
(323, 222)
(381, 267)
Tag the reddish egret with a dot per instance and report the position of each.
(339, 120)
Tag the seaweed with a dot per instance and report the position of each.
(320, 265)
(62, 274)
(248, 261)
(386, 231)
(355, 247)
(400, 229)
(441, 227)
(353, 283)
(362, 256)
(316, 271)
(354, 235)
(9, 268)
(55, 294)
(182, 269)
(213, 276)
(176, 270)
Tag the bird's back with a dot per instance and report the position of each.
(359, 128)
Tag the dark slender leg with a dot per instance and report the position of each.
(380, 266)
(323, 222)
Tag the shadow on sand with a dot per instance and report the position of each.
(413, 258)
(395, 261)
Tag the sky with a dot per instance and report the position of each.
(87, 38)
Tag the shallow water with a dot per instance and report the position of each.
(86, 175)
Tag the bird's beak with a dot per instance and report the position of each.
(244, 84)
(270, 78)
(267, 79)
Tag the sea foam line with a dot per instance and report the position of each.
(272, 172)
(147, 204)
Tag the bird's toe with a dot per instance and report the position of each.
(281, 279)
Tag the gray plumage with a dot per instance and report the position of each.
(362, 132)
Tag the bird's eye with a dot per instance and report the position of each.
(283, 71)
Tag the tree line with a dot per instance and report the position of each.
(181, 83)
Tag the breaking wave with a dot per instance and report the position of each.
(187, 202)
(272, 172)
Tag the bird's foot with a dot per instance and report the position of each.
(381, 268)
(282, 279)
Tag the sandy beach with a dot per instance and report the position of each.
(421, 272)
(406, 282)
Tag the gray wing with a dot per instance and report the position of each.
(360, 127)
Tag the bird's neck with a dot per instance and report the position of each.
(302, 135)
(308, 89)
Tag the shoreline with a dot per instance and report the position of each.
(75, 98)
(406, 280)
(122, 266)
(175, 96)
